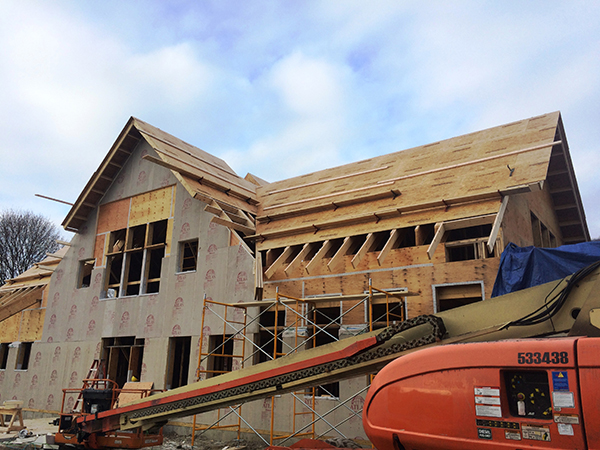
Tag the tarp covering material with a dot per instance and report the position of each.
(524, 267)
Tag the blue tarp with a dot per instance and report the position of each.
(523, 267)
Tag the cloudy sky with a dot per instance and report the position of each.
(284, 88)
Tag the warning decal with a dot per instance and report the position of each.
(487, 402)
(560, 381)
(535, 433)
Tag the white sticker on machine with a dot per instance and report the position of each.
(563, 400)
(565, 429)
(487, 402)
(487, 391)
(536, 433)
(488, 411)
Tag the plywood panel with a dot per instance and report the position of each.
(32, 323)
(99, 250)
(151, 206)
(9, 328)
(113, 216)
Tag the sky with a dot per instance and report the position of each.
(283, 88)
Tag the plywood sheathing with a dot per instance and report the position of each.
(432, 183)
(103, 178)
(202, 174)
(205, 174)
(23, 300)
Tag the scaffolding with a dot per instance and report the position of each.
(286, 325)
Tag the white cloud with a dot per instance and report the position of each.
(280, 89)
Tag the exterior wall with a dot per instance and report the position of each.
(403, 268)
(517, 226)
(78, 318)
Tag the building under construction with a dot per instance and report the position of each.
(181, 270)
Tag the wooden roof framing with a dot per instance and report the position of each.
(25, 290)
(203, 175)
(465, 176)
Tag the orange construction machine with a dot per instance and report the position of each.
(532, 393)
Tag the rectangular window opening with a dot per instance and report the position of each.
(454, 296)
(384, 315)
(329, 320)
(4, 349)
(179, 361)
(85, 273)
(23, 355)
(123, 357)
(220, 360)
(188, 252)
(135, 261)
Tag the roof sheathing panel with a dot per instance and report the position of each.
(103, 178)
(469, 169)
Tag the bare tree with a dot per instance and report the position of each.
(25, 238)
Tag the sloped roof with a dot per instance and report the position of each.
(24, 290)
(426, 184)
(455, 178)
(205, 176)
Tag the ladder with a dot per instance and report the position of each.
(94, 373)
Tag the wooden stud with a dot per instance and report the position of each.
(394, 236)
(298, 259)
(236, 226)
(278, 262)
(319, 255)
(496, 227)
(363, 250)
(339, 255)
(439, 234)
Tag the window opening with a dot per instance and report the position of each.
(463, 244)
(536, 230)
(179, 361)
(23, 355)
(265, 338)
(135, 268)
(382, 315)
(188, 259)
(454, 296)
(85, 273)
(328, 320)
(124, 356)
(4, 349)
(221, 355)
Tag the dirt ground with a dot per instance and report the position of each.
(35, 437)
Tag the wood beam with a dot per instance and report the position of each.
(319, 255)
(496, 227)
(278, 262)
(439, 235)
(321, 197)
(395, 234)
(327, 180)
(20, 301)
(236, 226)
(363, 250)
(339, 255)
(298, 259)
